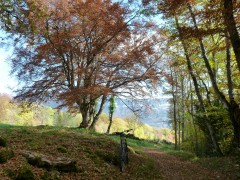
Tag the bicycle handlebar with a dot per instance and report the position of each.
(125, 131)
(128, 130)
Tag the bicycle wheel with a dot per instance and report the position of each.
(122, 157)
(126, 152)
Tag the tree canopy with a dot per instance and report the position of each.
(203, 70)
(78, 52)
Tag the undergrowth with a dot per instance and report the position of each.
(96, 154)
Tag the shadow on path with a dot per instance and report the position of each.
(175, 168)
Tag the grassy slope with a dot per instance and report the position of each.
(96, 154)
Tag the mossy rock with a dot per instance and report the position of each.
(3, 142)
(5, 155)
(59, 163)
(25, 173)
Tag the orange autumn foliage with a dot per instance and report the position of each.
(77, 51)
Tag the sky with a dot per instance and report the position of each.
(7, 83)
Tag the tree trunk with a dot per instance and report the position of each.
(112, 107)
(179, 124)
(235, 119)
(183, 107)
(110, 122)
(228, 67)
(174, 113)
(175, 124)
(179, 134)
(96, 117)
(206, 62)
(84, 110)
(84, 123)
(234, 111)
(232, 29)
(196, 136)
(193, 122)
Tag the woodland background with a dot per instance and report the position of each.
(42, 115)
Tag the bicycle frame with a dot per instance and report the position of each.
(123, 151)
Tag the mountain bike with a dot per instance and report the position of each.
(123, 149)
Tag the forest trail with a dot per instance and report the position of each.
(175, 168)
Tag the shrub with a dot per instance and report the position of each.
(108, 157)
(5, 155)
(3, 142)
(62, 149)
(25, 173)
(51, 175)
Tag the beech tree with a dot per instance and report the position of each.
(78, 52)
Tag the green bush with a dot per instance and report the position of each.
(25, 173)
(5, 155)
(62, 149)
(108, 157)
(51, 175)
(3, 142)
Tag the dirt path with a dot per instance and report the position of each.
(172, 167)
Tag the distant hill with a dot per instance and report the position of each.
(153, 112)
